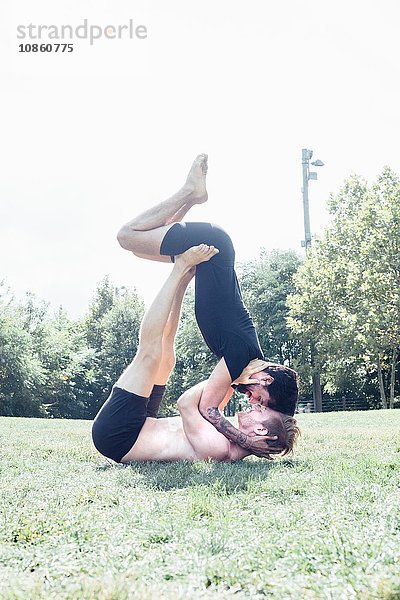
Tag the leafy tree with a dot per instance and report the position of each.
(67, 361)
(348, 289)
(20, 370)
(51, 366)
(112, 331)
(57, 349)
(266, 283)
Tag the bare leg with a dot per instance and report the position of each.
(171, 327)
(143, 234)
(140, 375)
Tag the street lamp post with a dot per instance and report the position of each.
(306, 156)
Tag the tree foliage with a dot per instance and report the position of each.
(21, 372)
(111, 328)
(52, 366)
(266, 283)
(348, 289)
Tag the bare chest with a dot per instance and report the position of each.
(161, 439)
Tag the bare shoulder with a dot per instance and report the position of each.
(206, 441)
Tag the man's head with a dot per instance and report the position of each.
(262, 420)
(277, 388)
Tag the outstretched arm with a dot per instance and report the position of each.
(215, 391)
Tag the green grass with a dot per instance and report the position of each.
(325, 524)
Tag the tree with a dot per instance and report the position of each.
(111, 329)
(266, 283)
(347, 298)
(67, 361)
(20, 370)
(52, 366)
(57, 348)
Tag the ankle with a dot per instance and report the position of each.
(180, 268)
(187, 191)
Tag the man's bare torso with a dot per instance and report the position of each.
(166, 440)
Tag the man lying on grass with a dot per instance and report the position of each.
(126, 427)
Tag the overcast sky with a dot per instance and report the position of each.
(92, 137)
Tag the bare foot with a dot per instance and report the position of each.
(196, 180)
(195, 256)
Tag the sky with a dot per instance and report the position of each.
(93, 137)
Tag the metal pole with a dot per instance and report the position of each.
(305, 159)
(306, 155)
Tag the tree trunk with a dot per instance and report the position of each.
(282, 360)
(317, 392)
(393, 377)
(381, 384)
(316, 380)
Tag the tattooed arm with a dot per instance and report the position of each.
(257, 445)
(226, 428)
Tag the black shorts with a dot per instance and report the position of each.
(182, 236)
(121, 418)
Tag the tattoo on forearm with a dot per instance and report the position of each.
(227, 429)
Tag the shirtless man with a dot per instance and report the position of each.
(224, 321)
(126, 428)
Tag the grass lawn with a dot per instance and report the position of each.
(325, 524)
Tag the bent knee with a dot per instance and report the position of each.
(130, 238)
(125, 237)
(222, 240)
